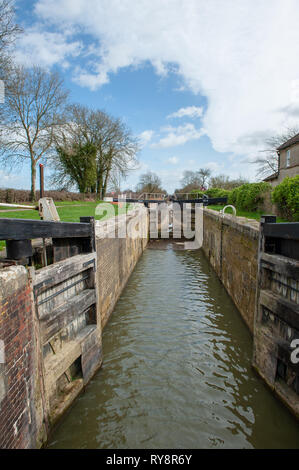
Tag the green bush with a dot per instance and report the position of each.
(212, 192)
(196, 193)
(217, 192)
(248, 196)
(286, 196)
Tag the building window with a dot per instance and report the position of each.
(288, 158)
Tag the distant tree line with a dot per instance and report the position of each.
(202, 179)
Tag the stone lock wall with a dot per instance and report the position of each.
(277, 322)
(17, 365)
(117, 257)
(231, 244)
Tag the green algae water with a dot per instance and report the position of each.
(177, 369)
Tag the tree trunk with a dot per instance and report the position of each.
(82, 187)
(105, 183)
(100, 184)
(33, 179)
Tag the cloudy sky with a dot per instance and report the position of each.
(202, 82)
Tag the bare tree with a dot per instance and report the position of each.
(149, 183)
(204, 174)
(225, 182)
(8, 28)
(114, 183)
(9, 31)
(120, 158)
(195, 179)
(34, 101)
(268, 162)
(116, 147)
(190, 178)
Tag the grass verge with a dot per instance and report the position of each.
(69, 212)
(249, 215)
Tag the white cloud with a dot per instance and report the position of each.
(46, 49)
(173, 160)
(190, 111)
(240, 55)
(145, 137)
(178, 135)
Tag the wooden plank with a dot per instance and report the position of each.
(288, 231)
(284, 351)
(90, 244)
(91, 357)
(137, 201)
(67, 247)
(281, 265)
(217, 200)
(210, 201)
(285, 309)
(59, 272)
(53, 322)
(289, 248)
(57, 364)
(23, 229)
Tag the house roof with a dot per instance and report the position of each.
(288, 143)
(271, 177)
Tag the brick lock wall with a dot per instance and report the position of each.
(116, 259)
(17, 423)
(232, 248)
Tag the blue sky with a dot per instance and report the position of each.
(197, 81)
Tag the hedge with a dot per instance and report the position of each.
(212, 192)
(249, 196)
(196, 193)
(217, 192)
(286, 196)
(12, 196)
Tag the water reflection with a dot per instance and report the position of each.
(177, 370)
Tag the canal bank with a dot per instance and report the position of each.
(177, 368)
